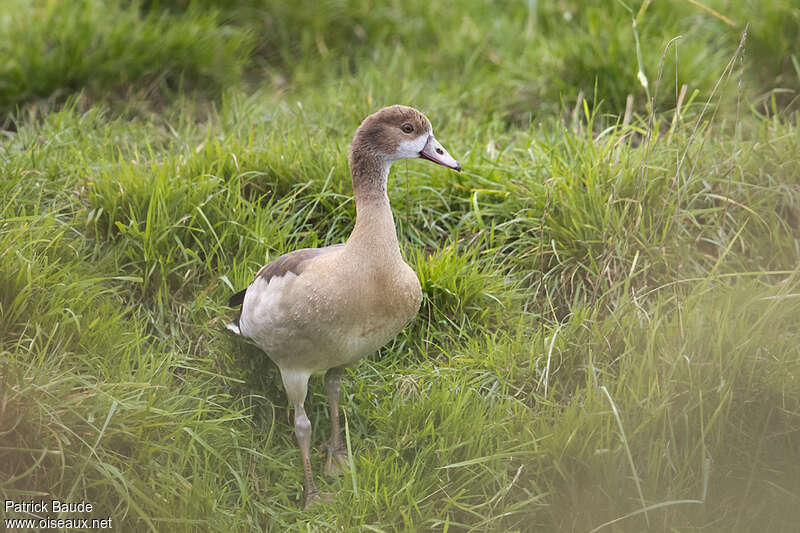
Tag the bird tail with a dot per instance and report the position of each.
(234, 327)
(235, 301)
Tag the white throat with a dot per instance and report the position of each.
(411, 148)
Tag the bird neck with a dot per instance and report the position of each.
(374, 234)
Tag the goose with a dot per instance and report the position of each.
(323, 309)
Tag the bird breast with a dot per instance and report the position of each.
(381, 309)
(315, 322)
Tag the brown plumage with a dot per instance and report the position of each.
(325, 308)
(373, 135)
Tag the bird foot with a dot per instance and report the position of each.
(337, 462)
(316, 497)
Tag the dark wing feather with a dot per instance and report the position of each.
(294, 262)
(237, 299)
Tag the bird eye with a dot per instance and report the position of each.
(407, 128)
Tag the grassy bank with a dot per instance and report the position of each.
(609, 336)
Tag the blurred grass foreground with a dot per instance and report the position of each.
(610, 332)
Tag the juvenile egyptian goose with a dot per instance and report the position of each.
(325, 308)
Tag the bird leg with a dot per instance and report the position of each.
(302, 430)
(296, 385)
(337, 453)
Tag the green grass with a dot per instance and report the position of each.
(609, 338)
